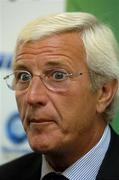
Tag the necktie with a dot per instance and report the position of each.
(54, 176)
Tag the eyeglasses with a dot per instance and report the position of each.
(57, 80)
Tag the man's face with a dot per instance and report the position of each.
(56, 121)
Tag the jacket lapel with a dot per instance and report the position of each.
(109, 169)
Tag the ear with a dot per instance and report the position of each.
(106, 95)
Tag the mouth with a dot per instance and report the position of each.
(39, 125)
(41, 121)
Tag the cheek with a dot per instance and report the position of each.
(76, 109)
(69, 107)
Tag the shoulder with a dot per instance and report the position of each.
(114, 143)
(21, 168)
(110, 165)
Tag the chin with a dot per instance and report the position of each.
(44, 142)
(41, 145)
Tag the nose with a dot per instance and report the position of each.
(37, 92)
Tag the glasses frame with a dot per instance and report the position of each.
(43, 78)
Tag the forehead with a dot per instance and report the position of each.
(67, 47)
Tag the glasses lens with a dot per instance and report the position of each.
(59, 80)
(57, 86)
(19, 80)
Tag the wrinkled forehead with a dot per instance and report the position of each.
(68, 45)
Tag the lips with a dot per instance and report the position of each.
(41, 121)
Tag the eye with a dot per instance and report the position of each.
(22, 76)
(58, 75)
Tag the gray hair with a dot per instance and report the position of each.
(99, 42)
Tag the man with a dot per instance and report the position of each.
(66, 83)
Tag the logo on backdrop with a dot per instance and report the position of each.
(14, 129)
(5, 60)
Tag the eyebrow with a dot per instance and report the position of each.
(53, 63)
(49, 64)
(19, 67)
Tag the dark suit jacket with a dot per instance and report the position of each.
(29, 167)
